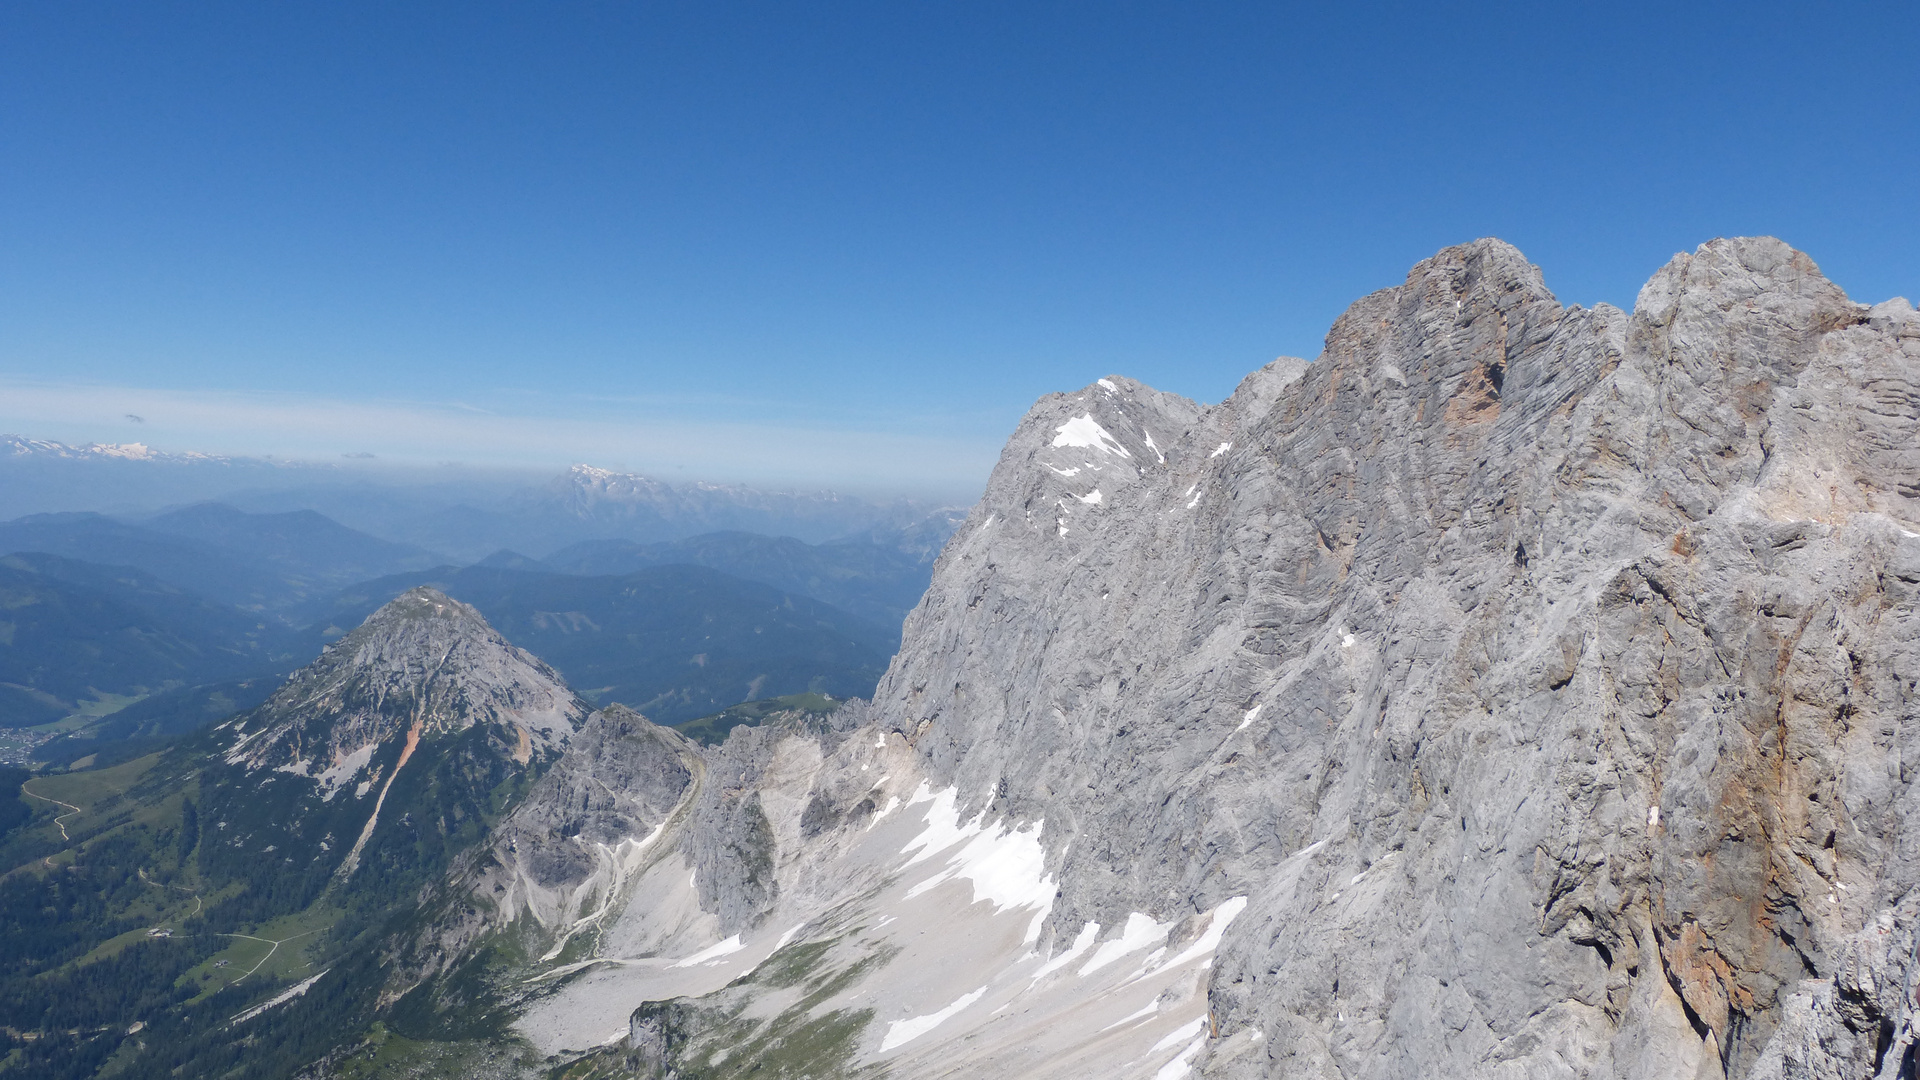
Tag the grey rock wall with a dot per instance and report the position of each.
(1545, 678)
(1544, 675)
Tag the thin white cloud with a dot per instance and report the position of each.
(300, 426)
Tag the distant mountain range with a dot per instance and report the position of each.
(43, 476)
(464, 514)
(675, 642)
(179, 611)
(17, 447)
(874, 581)
(78, 634)
(586, 503)
(257, 562)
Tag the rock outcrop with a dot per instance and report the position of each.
(1517, 690)
(423, 712)
(422, 665)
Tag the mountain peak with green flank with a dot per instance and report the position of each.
(423, 665)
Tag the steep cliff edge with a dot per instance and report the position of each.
(1543, 676)
(1516, 690)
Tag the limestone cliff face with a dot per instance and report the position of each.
(1515, 691)
(1544, 676)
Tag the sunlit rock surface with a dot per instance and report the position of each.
(1515, 691)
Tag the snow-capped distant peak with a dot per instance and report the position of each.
(20, 446)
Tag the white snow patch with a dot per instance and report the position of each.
(893, 802)
(901, 1032)
(298, 768)
(1221, 449)
(1653, 817)
(1061, 523)
(291, 992)
(713, 952)
(1085, 431)
(233, 752)
(1004, 863)
(1248, 719)
(1140, 932)
(1151, 963)
(1346, 640)
(1149, 1009)
(1181, 1061)
(1067, 472)
(344, 770)
(1081, 943)
(1155, 449)
(1206, 943)
(1107, 386)
(1181, 1034)
(1091, 498)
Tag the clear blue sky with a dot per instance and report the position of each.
(848, 243)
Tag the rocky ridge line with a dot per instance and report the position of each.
(1516, 690)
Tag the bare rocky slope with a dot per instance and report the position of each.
(394, 748)
(1516, 691)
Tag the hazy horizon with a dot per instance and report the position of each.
(848, 248)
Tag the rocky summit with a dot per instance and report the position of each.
(423, 683)
(1516, 690)
(423, 664)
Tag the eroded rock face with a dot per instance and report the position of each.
(619, 782)
(1515, 691)
(421, 666)
(425, 689)
(379, 767)
(1543, 676)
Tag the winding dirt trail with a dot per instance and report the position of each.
(274, 945)
(62, 819)
(197, 905)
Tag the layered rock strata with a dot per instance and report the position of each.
(1517, 690)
